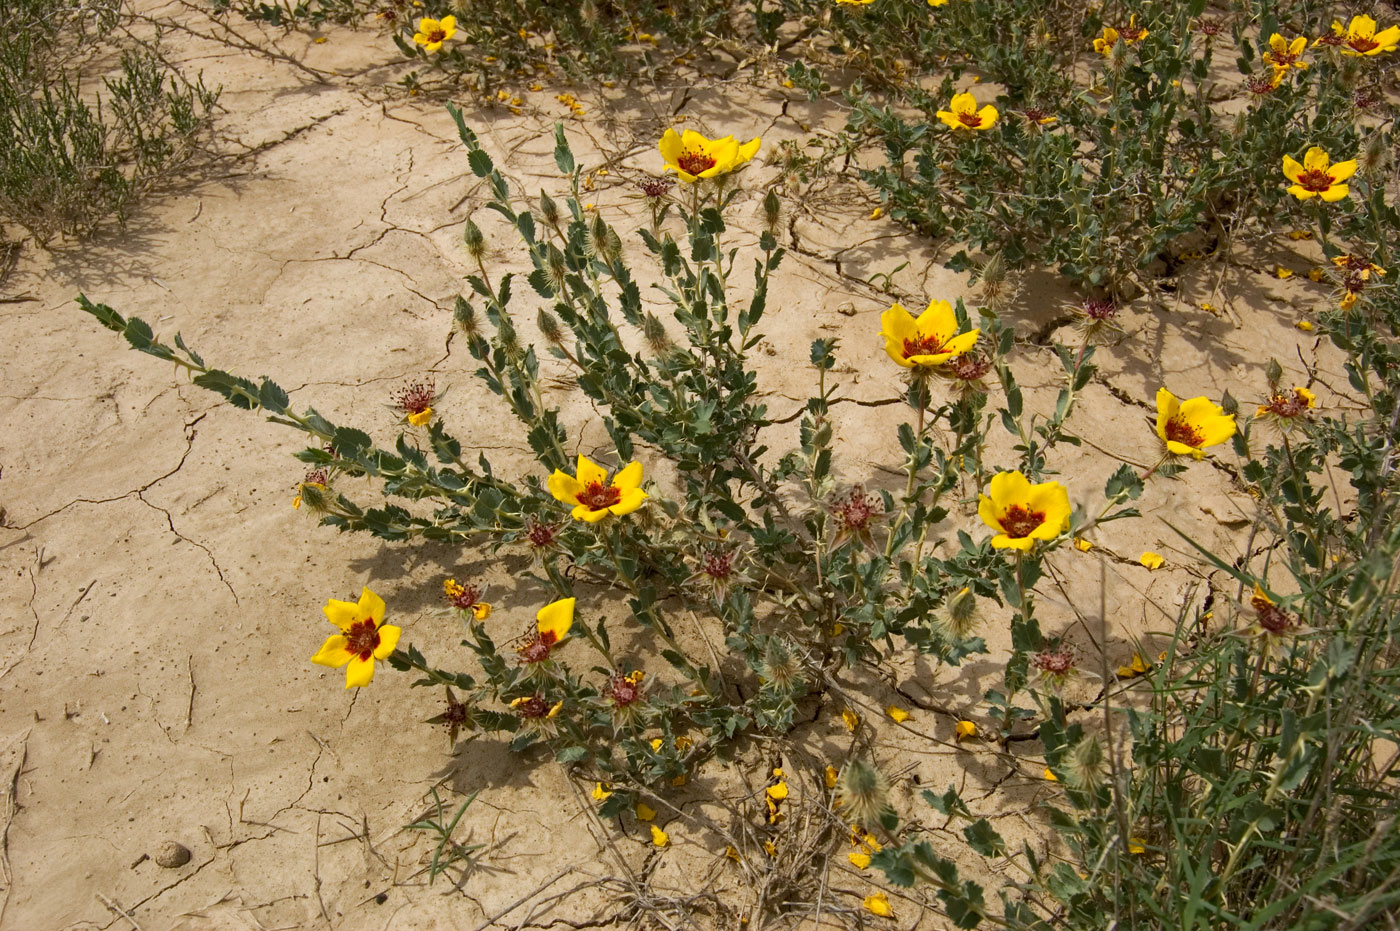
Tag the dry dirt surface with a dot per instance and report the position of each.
(160, 596)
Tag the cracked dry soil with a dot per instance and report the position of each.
(161, 597)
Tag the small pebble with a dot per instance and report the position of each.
(172, 855)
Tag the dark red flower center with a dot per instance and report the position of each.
(1055, 662)
(541, 535)
(922, 346)
(969, 367)
(596, 496)
(1180, 431)
(436, 35)
(1019, 521)
(692, 163)
(537, 650)
(362, 638)
(1287, 405)
(624, 691)
(1315, 180)
(970, 119)
(1362, 43)
(717, 564)
(533, 707)
(1271, 617)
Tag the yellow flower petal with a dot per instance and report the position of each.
(629, 478)
(600, 793)
(1151, 560)
(342, 613)
(645, 812)
(1082, 545)
(859, 859)
(589, 472)
(878, 904)
(333, 652)
(778, 792)
(965, 729)
(629, 502)
(898, 714)
(1050, 776)
(850, 719)
(564, 487)
(388, 640)
(358, 672)
(556, 618)
(659, 837)
(371, 606)
(831, 777)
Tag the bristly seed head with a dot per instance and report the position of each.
(1099, 309)
(863, 793)
(655, 188)
(415, 397)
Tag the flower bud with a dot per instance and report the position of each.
(474, 240)
(549, 328)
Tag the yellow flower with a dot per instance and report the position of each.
(1284, 54)
(897, 714)
(693, 156)
(965, 730)
(645, 812)
(1134, 669)
(932, 338)
(1188, 427)
(433, 32)
(1151, 560)
(1023, 512)
(859, 859)
(1130, 35)
(659, 837)
(363, 638)
(878, 904)
(965, 115)
(1317, 176)
(1297, 235)
(1361, 37)
(594, 500)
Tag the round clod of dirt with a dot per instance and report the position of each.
(172, 855)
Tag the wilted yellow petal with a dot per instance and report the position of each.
(659, 837)
(898, 714)
(1151, 560)
(966, 729)
(599, 792)
(859, 859)
(1050, 776)
(645, 812)
(877, 904)
(850, 719)
(1082, 545)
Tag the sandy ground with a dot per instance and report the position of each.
(160, 597)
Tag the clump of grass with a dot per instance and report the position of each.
(75, 152)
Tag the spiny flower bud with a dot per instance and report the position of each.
(1083, 765)
(655, 332)
(781, 669)
(464, 318)
(1372, 160)
(556, 270)
(474, 240)
(864, 794)
(960, 615)
(549, 328)
(772, 210)
(549, 209)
